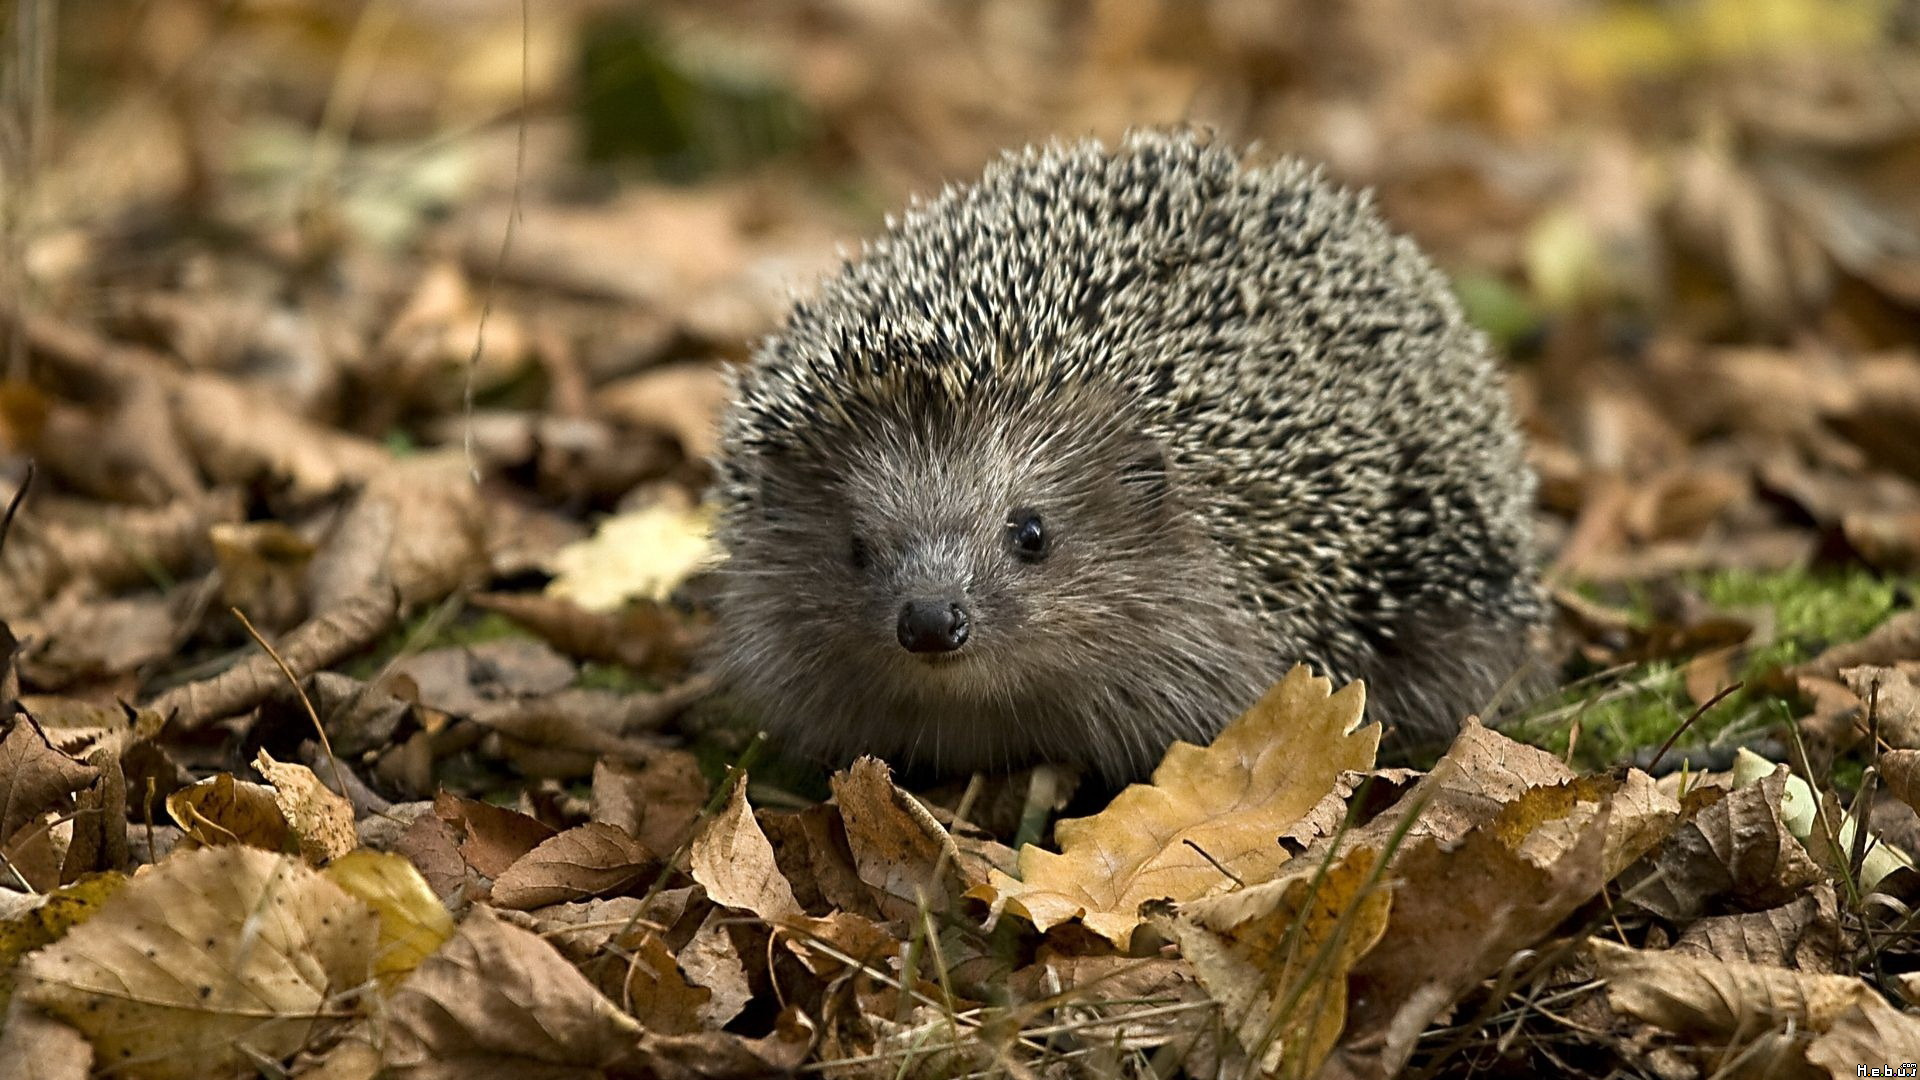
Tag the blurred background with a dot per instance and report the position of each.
(1693, 226)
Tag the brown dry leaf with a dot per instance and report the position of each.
(417, 528)
(1893, 697)
(462, 679)
(1887, 541)
(658, 994)
(712, 960)
(1874, 1033)
(99, 839)
(1682, 503)
(827, 945)
(1896, 639)
(498, 1002)
(1463, 908)
(323, 640)
(1109, 994)
(413, 922)
(682, 399)
(34, 777)
(645, 636)
(433, 847)
(1900, 770)
(1735, 849)
(733, 860)
(320, 820)
(657, 802)
(78, 639)
(565, 734)
(1223, 806)
(1276, 956)
(587, 861)
(207, 963)
(1803, 935)
(1723, 1000)
(898, 848)
(811, 847)
(221, 810)
(491, 838)
(262, 570)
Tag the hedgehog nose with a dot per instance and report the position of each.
(932, 626)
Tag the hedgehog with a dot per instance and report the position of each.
(1078, 459)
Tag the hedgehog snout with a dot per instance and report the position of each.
(933, 625)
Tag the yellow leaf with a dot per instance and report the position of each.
(642, 554)
(50, 917)
(413, 923)
(1210, 817)
(213, 960)
(221, 810)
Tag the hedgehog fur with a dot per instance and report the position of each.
(1242, 424)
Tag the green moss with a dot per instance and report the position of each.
(1622, 712)
(1810, 610)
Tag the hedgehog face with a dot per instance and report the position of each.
(942, 578)
(964, 559)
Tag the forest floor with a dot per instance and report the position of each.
(360, 370)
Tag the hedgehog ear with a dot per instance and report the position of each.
(1147, 475)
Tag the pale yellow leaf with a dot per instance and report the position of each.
(213, 960)
(641, 554)
(1210, 817)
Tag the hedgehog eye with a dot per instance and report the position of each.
(857, 553)
(1027, 535)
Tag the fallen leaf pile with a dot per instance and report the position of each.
(359, 369)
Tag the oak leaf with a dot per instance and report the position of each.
(1210, 819)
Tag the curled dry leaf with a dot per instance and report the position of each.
(1735, 849)
(221, 810)
(591, 860)
(1276, 956)
(213, 960)
(733, 860)
(898, 848)
(642, 635)
(1724, 1000)
(657, 802)
(1209, 820)
(657, 993)
(1461, 909)
(321, 641)
(413, 922)
(417, 529)
(320, 820)
(491, 838)
(498, 1002)
(34, 777)
(1873, 1034)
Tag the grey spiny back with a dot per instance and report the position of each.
(1256, 417)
